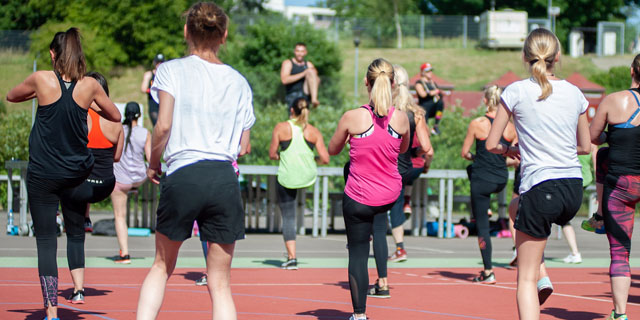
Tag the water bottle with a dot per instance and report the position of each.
(9, 221)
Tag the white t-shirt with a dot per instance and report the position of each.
(213, 106)
(547, 130)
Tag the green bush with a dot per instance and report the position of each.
(14, 129)
(616, 79)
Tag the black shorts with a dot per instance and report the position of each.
(551, 201)
(292, 96)
(208, 192)
(516, 180)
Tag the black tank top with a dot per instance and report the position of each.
(103, 164)
(624, 151)
(58, 139)
(404, 159)
(489, 166)
(429, 98)
(296, 86)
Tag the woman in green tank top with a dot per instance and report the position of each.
(297, 170)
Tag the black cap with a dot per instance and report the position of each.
(158, 58)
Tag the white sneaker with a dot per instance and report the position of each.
(571, 258)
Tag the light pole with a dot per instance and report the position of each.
(356, 43)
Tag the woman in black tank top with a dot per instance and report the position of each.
(58, 154)
(488, 174)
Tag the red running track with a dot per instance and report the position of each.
(580, 293)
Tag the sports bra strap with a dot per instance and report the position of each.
(634, 95)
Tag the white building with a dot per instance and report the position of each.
(320, 17)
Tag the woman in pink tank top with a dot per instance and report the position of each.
(377, 133)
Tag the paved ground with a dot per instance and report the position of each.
(264, 250)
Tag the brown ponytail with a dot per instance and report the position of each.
(206, 25)
(380, 77)
(300, 108)
(68, 59)
(540, 50)
(635, 65)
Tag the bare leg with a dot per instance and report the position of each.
(513, 210)
(86, 213)
(291, 248)
(219, 270)
(620, 288)
(543, 269)
(310, 87)
(77, 275)
(530, 252)
(119, 200)
(154, 285)
(570, 235)
(398, 234)
(52, 312)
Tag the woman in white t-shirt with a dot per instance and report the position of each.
(549, 115)
(204, 122)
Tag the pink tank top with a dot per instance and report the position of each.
(373, 174)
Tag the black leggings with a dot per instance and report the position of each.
(380, 247)
(287, 202)
(481, 191)
(433, 109)
(358, 219)
(44, 198)
(74, 205)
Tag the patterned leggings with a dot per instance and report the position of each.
(621, 193)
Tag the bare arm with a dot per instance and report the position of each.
(468, 141)
(245, 143)
(497, 130)
(147, 147)
(105, 107)
(584, 145)
(323, 154)
(146, 78)
(599, 122)
(285, 73)
(422, 132)
(161, 133)
(420, 90)
(339, 138)
(24, 91)
(119, 145)
(275, 143)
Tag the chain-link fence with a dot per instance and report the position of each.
(14, 39)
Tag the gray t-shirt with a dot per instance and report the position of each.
(131, 168)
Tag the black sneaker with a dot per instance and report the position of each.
(379, 292)
(291, 264)
(484, 278)
(126, 259)
(76, 297)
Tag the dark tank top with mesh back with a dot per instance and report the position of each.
(298, 85)
(58, 139)
(624, 149)
(404, 159)
(489, 166)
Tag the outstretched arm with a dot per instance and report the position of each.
(161, 133)
(24, 91)
(339, 138)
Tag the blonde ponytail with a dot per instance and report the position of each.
(492, 95)
(380, 77)
(540, 50)
(402, 98)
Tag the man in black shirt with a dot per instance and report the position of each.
(300, 77)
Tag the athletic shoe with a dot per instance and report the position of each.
(202, 281)
(126, 259)
(88, 227)
(571, 258)
(407, 211)
(76, 297)
(399, 256)
(620, 317)
(291, 264)
(594, 224)
(514, 258)
(353, 317)
(545, 288)
(486, 279)
(45, 318)
(379, 292)
(435, 131)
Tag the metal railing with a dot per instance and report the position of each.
(259, 203)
